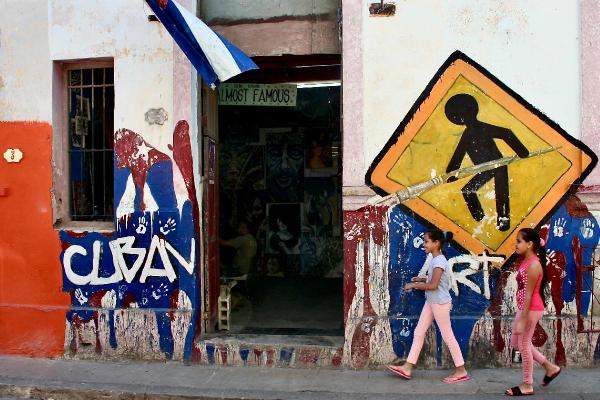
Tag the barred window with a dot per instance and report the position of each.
(91, 103)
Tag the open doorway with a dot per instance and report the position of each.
(280, 221)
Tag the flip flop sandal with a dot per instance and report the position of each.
(396, 370)
(516, 391)
(548, 379)
(451, 379)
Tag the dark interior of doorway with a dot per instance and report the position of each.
(280, 173)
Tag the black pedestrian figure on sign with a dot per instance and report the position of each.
(477, 142)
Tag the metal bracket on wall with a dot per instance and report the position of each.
(382, 9)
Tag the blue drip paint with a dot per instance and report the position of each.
(164, 195)
(112, 333)
(563, 229)
(165, 337)
(244, 352)
(285, 356)
(210, 353)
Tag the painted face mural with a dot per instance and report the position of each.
(285, 168)
(119, 281)
(471, 157)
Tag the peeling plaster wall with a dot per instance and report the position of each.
(21, 97)
(535, 51)
(142, 53)
(52, 307)
(532, 49)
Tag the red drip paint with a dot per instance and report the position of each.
(76, 323)
(173, 304)
(361, 339)
(182, 154)
(96, 299)
(135, 153)
(162, 3)
(129, 299)
(351, 218)
(270, 357)
(376, 216)
(555, 269)
(539, 336)
(495, 308)
(370, 222)
(258, 356)
(560, 358)
(196, 352)
(309, 356)
(544, 233)
(76, 235)
(576, 208)
(96, 302)
(577, 254)
(336, 361)
(224, 350)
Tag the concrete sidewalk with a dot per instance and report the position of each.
(64, 379)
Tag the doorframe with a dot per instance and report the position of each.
(272, 69)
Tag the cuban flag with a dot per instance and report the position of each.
(211, 54)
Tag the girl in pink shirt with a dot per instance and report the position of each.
(531, 288)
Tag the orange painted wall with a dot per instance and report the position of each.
(32, 305)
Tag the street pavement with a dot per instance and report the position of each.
(75, 379)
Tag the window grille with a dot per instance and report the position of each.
(91, 99)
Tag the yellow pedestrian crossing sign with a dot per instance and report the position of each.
(474, 158)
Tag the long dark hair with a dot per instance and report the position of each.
(530, 235)
(436, 235)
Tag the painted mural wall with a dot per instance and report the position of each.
(135, 291)
(129, 288)
(460, 138)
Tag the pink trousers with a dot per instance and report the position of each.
(523, 344)
(441, 314)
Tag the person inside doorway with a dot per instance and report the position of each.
(284, 237)
(245, 250)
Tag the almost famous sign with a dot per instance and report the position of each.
(254, 94)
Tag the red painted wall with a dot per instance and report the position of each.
(32, 305)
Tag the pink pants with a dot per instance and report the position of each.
(523, 343)
(441, 314)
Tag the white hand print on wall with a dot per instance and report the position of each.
(559, 227)
(142, 224)
(587, 228)
(169, 226)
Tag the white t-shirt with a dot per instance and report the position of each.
(441, 295)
